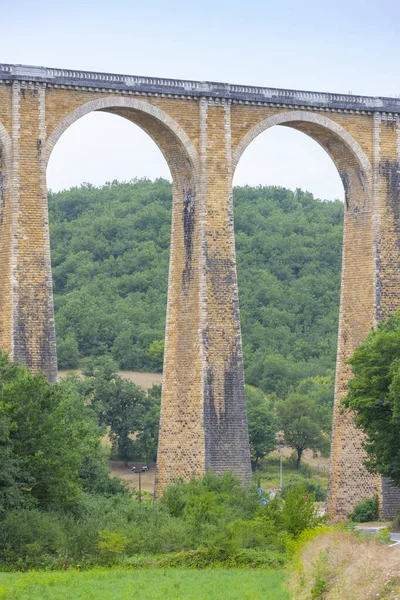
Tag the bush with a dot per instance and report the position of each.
(366, 510)
(221, 557)
(296, 513)
(311, 486)
(212, 521)
(111, 545)
(210, 498)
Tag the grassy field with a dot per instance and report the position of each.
(152, 584)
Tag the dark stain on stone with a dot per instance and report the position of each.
(390, 171)
(390, 124)
(34, 317)
(346, 184)
(360, 178)
(188, 231)
(226, 431)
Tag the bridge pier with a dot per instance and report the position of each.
(217, 408)
(29, 297)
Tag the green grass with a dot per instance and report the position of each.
(150, 584)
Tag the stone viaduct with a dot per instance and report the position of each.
(202, 129)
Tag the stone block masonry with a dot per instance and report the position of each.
(203, 128)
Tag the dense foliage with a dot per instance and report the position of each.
(110, 251)
(59, 508)
(374, 396)
(367, 510)
(129, 414)
(207, 522)
(49, 444)
(305, 417)
(263, 424)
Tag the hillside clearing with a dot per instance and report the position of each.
(144, 380)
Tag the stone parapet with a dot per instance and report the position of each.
(196, 89)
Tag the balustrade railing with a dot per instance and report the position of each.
(198, 88)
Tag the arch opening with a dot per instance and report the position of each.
(180, 157)
(101, 147)
(351, 162)
(294, 246)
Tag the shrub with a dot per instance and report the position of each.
(311, 486)
(221, 557)
(366, 510)
(210, 498)
(299, 512)
(208, 521)
(111, 545)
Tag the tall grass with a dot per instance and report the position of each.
(340, 565)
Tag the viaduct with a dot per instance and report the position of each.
(202, 129)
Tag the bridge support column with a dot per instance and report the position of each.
(225, 421)
(370, 291)
(203, 416)
(31, 315)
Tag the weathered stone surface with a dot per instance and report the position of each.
(203, 128)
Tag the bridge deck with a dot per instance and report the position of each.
(196, 89)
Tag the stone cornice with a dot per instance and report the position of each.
(197, 89)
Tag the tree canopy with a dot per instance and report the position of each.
(305, 420)
(47, 433)
(374, 396)
(263, 424)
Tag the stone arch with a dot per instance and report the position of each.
(351, 161)
(145, 115)
(182, 159)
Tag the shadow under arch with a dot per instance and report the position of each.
(352, 163)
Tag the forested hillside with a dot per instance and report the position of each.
(110, 250)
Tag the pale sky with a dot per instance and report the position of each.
(341, 46)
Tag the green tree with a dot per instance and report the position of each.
(304, 425)
(119, 404)
(68, 353)
(263, 424)
(147, 439)
(374, 396)
(156, 354)
(14, 482)
(50, 433)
